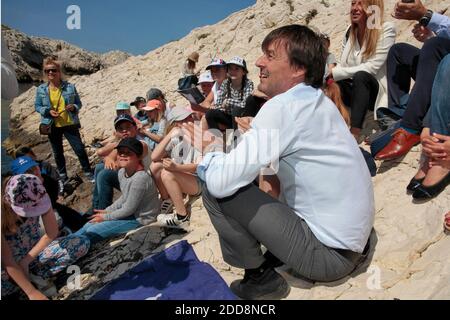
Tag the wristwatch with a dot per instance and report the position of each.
(425, 20)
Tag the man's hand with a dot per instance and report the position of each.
(422, 33)
(243, 123)
(409, 11)
(201, 139)
(170, 165)
(70, 107)
(54, 113)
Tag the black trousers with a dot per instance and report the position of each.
(406, 62)
(360, 94)
(70, 217)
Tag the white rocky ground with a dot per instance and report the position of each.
(411, 256)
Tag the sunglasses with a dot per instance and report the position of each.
(47, 71)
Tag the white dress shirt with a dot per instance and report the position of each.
(323, 174)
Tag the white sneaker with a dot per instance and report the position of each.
(171, 221)
(166, 206)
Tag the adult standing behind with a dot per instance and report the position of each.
(361, 75)
(406, 62)
(322, 229)
(58, 103)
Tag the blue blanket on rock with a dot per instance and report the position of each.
(173, 274)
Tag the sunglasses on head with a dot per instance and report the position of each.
(54, 70)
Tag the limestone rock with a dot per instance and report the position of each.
(28, 53)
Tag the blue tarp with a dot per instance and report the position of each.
(173, 274)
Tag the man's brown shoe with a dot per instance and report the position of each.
(402, 141)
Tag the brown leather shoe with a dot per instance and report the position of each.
(402, 141)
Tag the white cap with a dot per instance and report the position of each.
(239, 62)
(205, 77)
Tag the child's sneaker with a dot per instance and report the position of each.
(166, 206)
(89, 176)
(172, 221)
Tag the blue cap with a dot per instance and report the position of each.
(122, 106)
(22, 164)
(123, 117)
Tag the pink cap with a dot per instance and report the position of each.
(27, 196)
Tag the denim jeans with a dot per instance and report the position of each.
(105, 182)
(440, 100)
(107, 229)
(72, 135)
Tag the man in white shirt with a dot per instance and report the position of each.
(323, 227)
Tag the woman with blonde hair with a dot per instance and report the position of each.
(58, 103)
(361, 75)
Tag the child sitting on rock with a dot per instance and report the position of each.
(137, 206)
(154, 132)
(26, 255)
(174, 166)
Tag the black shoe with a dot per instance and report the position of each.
(414, 184)
(271, 261)
(423, 192)
(261, 284)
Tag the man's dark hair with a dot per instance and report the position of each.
(305, 49)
